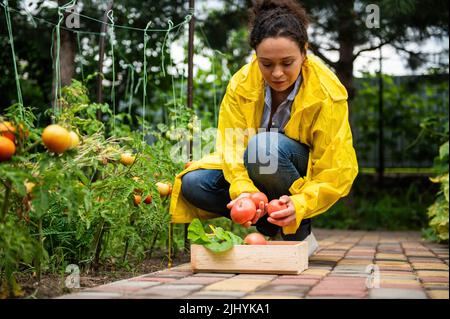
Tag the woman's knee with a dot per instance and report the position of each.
(264, 153)
(261, 148)
(189, 182)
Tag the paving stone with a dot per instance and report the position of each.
(406, 267)
(355, 261)
(349, 274)
(124, 287)
(219, 294)
(424, 260)
(356, 296)
(398, 286)
(197, 280)
(435, 285)
(395, 293)
(438, 294)
(183, 267)
(399, 277)
(325, 258)
(232, 284)
(213, 274)
(91, 295)
(398, 257)
(323, 292)
(197, 296)
(355, 269)
(172, 286)
(391, 263)
(168, 291)
(434, 279)
(297, 281)
(171, 274)
(397, 273)
(292, 290)
(312, 265)
(361, 256)
(343, 281)
(396, 283)
(270, 296)
(255, 276)
(155, 279)
(332, 252)
(316, 272)
(419, 254)
(430, 266)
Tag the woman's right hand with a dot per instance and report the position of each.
(260, 211)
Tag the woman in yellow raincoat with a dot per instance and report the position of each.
(283, 130)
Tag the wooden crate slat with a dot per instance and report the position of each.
(279, 257)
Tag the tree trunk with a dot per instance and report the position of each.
(346, 31)
(66, 54)
(67, 57)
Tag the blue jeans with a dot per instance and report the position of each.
(273, 163)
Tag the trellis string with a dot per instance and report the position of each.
(11, 42)
(109, 14)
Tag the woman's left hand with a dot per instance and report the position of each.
(286, 216)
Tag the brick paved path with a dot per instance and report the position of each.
(401, 266)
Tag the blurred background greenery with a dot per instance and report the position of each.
(397, 141)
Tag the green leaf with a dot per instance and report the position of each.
(219, 241)
(219, 247)
(196, 233)
(443, 151)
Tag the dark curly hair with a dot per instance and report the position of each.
(278, 18)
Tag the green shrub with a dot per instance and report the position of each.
(438, 211)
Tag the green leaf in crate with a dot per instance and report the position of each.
(219, 240)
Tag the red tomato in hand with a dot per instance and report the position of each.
(275, 205)
(243, 210)
(258, 197)
(255, 239)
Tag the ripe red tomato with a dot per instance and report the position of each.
(275, 205)
(243, 210)
(148, 199)
(258, 197)
(255, 239)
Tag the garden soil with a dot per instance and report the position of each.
(53, 285)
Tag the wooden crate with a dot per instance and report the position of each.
(278, 257)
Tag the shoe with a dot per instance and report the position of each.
(313, 245)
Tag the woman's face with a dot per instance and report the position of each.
(280, 61)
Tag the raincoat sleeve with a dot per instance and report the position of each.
(332, 165)
(231, 138)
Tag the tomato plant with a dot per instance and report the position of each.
(83, 206)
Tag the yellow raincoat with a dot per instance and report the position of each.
(319, 119)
